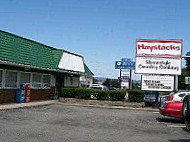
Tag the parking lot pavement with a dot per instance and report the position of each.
(77, 124)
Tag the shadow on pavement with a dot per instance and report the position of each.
(169, 120)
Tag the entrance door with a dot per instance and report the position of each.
(59, 84)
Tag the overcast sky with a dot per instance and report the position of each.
(103, 31)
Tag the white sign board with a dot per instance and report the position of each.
(159, 48)
(125, 72)
(71, 62)
(157, 83)
(151, 65)
(125, 84)
(187, 80)
(158, 57)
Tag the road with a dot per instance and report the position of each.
(60, 123)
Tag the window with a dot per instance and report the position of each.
(24, 77)
(11, 79)
(181, 95)
(36, 80)
(46, 81)
(1, 77)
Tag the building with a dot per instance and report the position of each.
(45, 68)
(87, 79)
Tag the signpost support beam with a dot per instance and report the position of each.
(120, 79)
(176, 83)
(131, 84)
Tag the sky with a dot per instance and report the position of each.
(102, 31)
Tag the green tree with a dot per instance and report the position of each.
(185, 73)
(181, 82)
(111, 83)
(188, 63)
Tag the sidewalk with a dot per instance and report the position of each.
(22, 105)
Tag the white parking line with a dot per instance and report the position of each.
(155, 112)
(176, 126)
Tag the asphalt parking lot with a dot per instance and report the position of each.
(62, 123)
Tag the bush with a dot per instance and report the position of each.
(100, 95)
(82, 93)
(79, 93)
(68, 93)
(136, 95)
(117, 95)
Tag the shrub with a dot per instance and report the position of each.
(117, 95)
(100, 95)
(83, 93)
(136, 95)
(68, 93)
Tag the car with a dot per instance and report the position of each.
(98, 87)
(150, 98)
(172, 105)
(186, 112)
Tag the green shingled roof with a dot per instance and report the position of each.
(20, 50)
(87, 70)
(24, 51)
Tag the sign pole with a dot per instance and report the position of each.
(131, 84)
(120, 79)
(176, 83)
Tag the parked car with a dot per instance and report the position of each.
(186, 112)
(98, 87)
(150, 98)
(186, 108)
(173, 105)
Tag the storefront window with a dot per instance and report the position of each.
(1, 77)
(24, 78)
(11, 79)
(46, 81)
(36, 81)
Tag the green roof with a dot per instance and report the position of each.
(87, 70)
(24, 51)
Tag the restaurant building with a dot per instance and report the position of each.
(45, 68)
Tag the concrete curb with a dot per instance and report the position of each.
(25, 105)
(113, 107)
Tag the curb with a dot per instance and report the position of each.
(113, 107)
(26, 105)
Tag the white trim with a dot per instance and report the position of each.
(16, 81)
(4, 74)
(1, 79)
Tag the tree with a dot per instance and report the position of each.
(188, 63)
(181, 82)
(185, 73)
(111, 83)
(107, 82)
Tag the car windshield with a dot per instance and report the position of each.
(172, 93)
(96, 88)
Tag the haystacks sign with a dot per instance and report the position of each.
(157, 83)
(158, 57)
